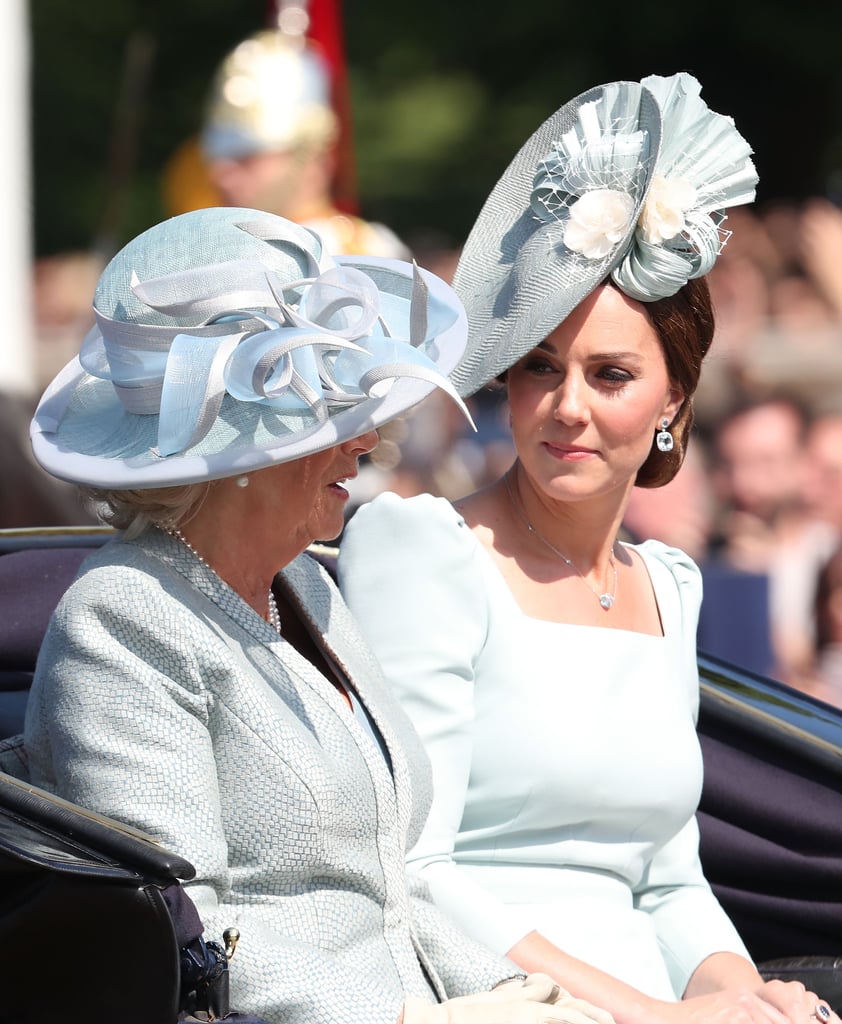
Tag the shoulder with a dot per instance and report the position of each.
(413, 544)
(419, 520)
(112, 574)
(672, 568)
(677, 562)
(128, 601)
(127, 571)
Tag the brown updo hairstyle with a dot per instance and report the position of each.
(684, 323)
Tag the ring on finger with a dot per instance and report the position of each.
(821, 1012)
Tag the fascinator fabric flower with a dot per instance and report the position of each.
(665, 209)
(598, 221)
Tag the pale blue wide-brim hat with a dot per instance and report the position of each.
(227, 340)
(628, 181)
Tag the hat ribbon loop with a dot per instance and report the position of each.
(307, 347)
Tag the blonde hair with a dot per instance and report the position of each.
(135, 510)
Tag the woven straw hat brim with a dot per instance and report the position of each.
(515, 277)
(99, 444)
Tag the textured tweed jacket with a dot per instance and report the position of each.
(163, 700)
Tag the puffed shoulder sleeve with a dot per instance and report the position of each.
(407, 569)
(678, 586)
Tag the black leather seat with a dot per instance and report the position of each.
(92, 919)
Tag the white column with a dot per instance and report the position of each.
(17, 352)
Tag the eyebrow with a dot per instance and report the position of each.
(597, 356)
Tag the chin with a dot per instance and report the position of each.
(329, 531)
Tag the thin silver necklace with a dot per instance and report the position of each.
(606, 600)
(274, 615)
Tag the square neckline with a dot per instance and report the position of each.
(633, 548)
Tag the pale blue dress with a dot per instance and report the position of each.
(567, 770)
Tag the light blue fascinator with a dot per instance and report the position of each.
(630, 181)
(227, 340)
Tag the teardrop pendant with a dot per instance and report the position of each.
(606, 600)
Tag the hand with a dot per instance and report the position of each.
(775, 1002)
(535, 999)
(797, 1003)
(542, 988)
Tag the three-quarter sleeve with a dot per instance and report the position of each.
(689, 920)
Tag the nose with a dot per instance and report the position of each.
(363, 444)
(571, 400)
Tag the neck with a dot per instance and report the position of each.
(585, 531)
(605, 592)
(230, 553)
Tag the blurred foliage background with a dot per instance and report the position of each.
(443, 93)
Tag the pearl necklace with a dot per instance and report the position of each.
(606, 600)
(274, 616)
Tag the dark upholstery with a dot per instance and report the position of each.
(771, 828)
(31, 582)
(84, 909)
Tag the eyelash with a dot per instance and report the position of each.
(612, 375)
(616, 376)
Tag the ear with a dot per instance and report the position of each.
(674, 400)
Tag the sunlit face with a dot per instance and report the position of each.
(306, 497)
(585, 404)
(262, 181)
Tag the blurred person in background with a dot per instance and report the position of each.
(681, 513)
(813, 561)
(755, 559)
(272, 138)
(757, 473)
(823, 676)
(28, 496)
(823, 470)
(739, 289)
(821, 249)
(63, 292)
(778, 299)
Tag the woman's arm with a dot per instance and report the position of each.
(408, 571)
(724, 989)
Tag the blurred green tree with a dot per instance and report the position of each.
(443, 94)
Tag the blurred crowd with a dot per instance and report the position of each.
(758, 503)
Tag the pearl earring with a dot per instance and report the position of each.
(242, 481)
(664, 439)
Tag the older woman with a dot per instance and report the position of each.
(550, 668)
(234, 378)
